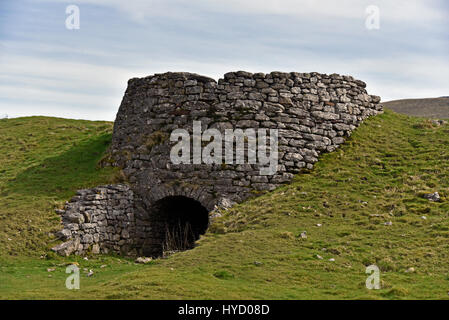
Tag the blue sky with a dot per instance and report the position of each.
(46, 69)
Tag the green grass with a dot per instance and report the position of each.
(42, 163)
(254, 251)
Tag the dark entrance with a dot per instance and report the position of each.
(181, 221)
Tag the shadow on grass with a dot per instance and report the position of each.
(61, 175)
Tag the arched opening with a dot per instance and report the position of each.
(181, 222)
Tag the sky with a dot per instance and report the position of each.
(48, 69)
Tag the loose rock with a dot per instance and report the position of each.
(143, 260)
(435, 197)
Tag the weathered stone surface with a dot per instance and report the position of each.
(66, 248)
(435, 197)
(143, 260)
(313, 114)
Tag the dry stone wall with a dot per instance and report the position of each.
(98, 219)
(312, 112)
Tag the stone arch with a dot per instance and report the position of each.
(183, 219)
(174, 223)
(201, 194)
(153, 214)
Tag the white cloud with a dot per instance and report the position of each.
(67, 89)
(32, 82)
(41, 86)
(399, 10)
(44, 76)
(51, 48)
(23, 109)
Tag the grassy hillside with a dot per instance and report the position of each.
(42, 163)
(345, 205)
(437, 108)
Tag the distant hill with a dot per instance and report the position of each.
(431, 108)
